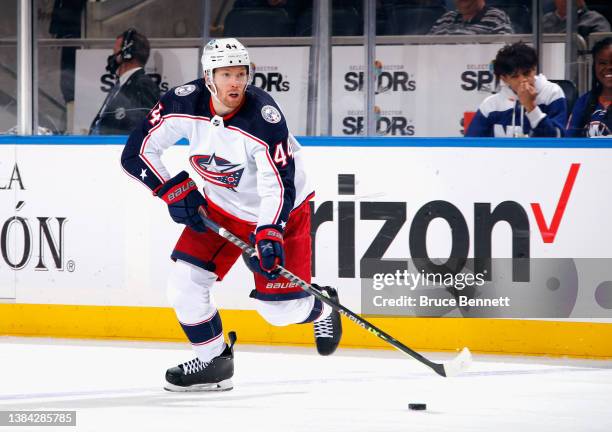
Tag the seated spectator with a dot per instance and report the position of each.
(588, 21)
(134, 94)
(527, 104)
(472, 17)
(592, 114)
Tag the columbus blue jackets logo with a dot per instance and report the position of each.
(217, 170)
(184, 90)
(270, 114)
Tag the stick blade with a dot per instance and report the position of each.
(459, 364)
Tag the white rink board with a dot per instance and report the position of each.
(118, 237)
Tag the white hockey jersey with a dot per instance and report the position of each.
(249, 161)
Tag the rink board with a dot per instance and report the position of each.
(573, 339)
(86, 248)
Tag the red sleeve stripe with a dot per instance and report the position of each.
(144, 142)
(278, 178)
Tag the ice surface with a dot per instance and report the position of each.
(117, 386)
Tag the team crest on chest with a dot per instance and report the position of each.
(184, 90)
(271, 114)
(217, 170)
(598, 127)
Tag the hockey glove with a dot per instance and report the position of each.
(268, 241)
(183, 199)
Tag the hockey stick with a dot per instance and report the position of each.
(451, 368)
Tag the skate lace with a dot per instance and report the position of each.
(193, 366)
(324, 328)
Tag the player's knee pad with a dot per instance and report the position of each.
(282, 313)
(189, 292)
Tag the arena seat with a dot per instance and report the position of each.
(571, 92)
(413, 20)
(257, 22)
(345, 22)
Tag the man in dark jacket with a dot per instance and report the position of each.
(134, 93)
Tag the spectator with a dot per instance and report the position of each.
(527, 104)
(588, 21)
(592, 114)
(134, 93)
(472, 17)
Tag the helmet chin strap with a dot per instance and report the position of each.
(212, 88)
(213, 92)
(210, 85)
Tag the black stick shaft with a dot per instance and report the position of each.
(437, 367)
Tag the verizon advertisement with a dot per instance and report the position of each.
(106, 240)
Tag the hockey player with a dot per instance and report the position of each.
(528, 105)
(254, 185)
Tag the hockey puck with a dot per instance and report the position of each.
(417, 406)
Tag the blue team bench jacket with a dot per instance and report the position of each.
(598, 124)
(502, 115)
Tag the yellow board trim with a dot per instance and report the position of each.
(575, 339)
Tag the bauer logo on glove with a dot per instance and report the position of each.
(183, 199)
(268, 241)
(175, 195)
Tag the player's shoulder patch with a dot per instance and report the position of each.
(271, 114)
(184, 90)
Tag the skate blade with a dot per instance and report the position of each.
(224, 385)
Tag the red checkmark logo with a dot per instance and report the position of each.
(549, 232)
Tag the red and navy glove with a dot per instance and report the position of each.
(183, 199)
(268, 240)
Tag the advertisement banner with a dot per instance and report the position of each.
(106, 241)
(167, 67)
(283, 72)
(420, 90)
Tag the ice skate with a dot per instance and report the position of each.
(198, 376)
(328, 332)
